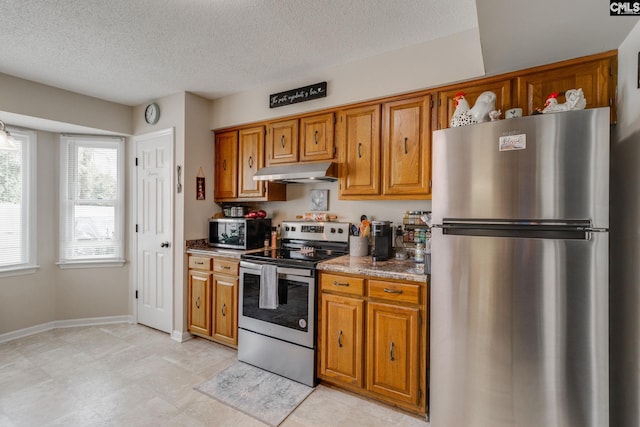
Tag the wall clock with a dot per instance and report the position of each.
(152, 113)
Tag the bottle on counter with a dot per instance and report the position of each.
(278, 237)
(273, 237)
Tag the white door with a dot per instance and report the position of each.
(154, 224)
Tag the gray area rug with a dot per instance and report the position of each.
(262, 395)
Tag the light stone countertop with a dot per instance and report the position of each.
(391, 269)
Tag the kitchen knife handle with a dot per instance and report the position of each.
(391, 352)
(340, 338)
(359, 147)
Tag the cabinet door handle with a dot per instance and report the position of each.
(224, 165)
(315, 137)
(393, 291)
(198, 302)
(224, 309)
(391, 352)
(359, 152)
(250, 162)
(340, 338)
(336, 283)
(405, 146)
(282, 141)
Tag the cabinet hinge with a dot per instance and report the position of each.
(430, 183)
(136, 228)
(335, 150)
(431, 103)
(136, 161)
(610, 102)
(136, 294)
(439, 102)
(610, 71)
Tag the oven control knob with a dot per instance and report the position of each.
(286, 228)
(293, 228)
(302, 323)
(333, 230)
(340, 231)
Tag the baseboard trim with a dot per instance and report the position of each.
(181, 336)
(72, 323)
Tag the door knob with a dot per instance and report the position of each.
(164, 244)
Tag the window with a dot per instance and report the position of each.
(17, 203)
(92, 201)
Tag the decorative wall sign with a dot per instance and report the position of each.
(293, 96)
(319, 200)
(200, 193)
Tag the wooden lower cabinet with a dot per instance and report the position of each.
(200, 302)
(373, 338)
(342, 339)
(213, 298)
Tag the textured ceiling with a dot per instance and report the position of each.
(131, 51)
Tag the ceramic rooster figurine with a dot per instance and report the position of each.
(461, 116)
(574, 100)
(485, 104)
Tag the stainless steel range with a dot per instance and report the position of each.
(278, 296)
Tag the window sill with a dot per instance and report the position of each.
(18, 271)
(63, 265)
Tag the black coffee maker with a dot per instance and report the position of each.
(382, 240)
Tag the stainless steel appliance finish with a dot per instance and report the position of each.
(519, 296)
(298, 173)
(283, 340)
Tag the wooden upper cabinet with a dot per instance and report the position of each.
(407, 147)
(226, 165)
(282, 142)
(316, 137)
(596, 78)
(358, 139)
(251, 150)
(447, 103)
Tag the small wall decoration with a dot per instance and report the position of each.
(319, 200)
(293, 96)
(200, 192)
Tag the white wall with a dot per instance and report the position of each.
(624, 289)
(413, 68)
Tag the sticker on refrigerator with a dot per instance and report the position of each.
(513, 142)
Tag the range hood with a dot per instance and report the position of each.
(298, 173)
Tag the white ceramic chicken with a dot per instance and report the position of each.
(574, 100)
(461, 116)
(485, 103)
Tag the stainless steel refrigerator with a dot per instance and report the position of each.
(520, 275)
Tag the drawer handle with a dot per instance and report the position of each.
(225, 267)
(340, 338)
(198, 302)
(224, 309)
(282, 141)
(391, 352)
(199, 262)
(336, 283)
(393, 291)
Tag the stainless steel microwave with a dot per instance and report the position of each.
(238, 233)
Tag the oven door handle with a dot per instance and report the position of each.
(295, 271)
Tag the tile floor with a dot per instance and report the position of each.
(130, 375)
